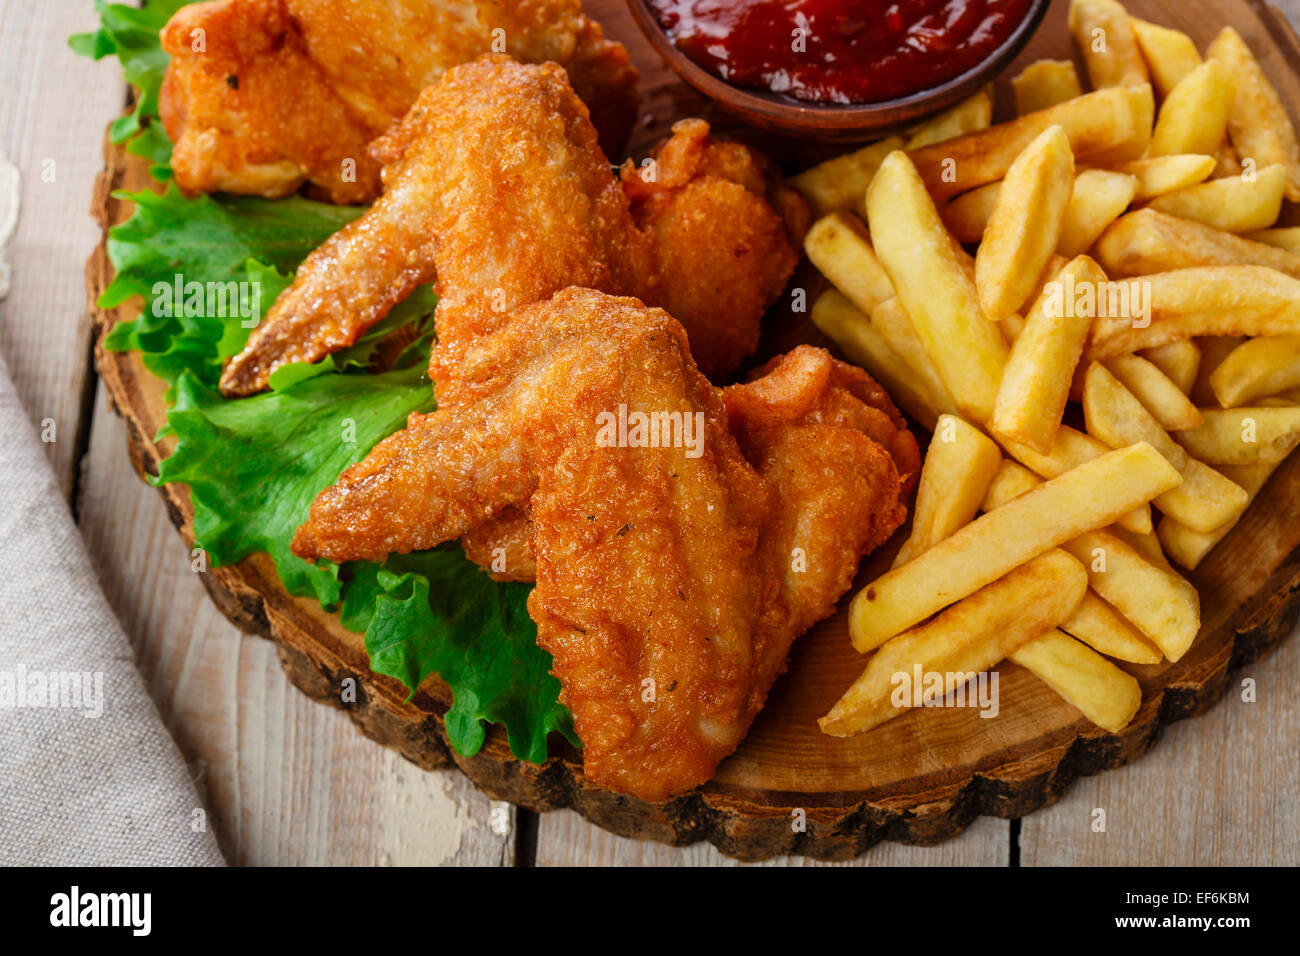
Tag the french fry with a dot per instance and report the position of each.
(1243, 436)
(973, 113)
(1070, 449)
(959, 465)
(962, 258)
(1169, 54)
(837, 244)
(1025, 225)
(1159, 395)
(1204, 499)
(1090, 496)
(852, 331)
(1094, 622)
(1104, 37)
(1214, 349)
(967, 638)
(1205, 300)
(1011, 326)
(1014, 479)
(1011, 480)
(1189, 547)
(1148, 241)
(934, 288)
(1288, 238)
(1104, 629)
(967, 215)
(1099, 196)
(1036, 383)
(1256, 369)
(1179, 360)
(1045, 83)
(1055, 263)
(1166, 174)
(1257, 123)
(1237, 204)
(841, 182)
(1096, 199)
(1194, 117)
(1225, 162)
(1112, 124)
(893, 323)
(1076, 383)
(1147, 545)
(1097, 688)
(1159, 603)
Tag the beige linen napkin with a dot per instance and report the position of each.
(88, 774)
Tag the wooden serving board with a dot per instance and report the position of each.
(920, 778)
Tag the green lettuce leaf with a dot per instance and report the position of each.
(207, 239)
(417, 308)
(254, 465)
(436, 612)
(131, 34)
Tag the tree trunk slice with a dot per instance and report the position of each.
(919, 779)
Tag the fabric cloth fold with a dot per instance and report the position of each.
(89, 775)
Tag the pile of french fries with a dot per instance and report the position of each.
(1128, 277)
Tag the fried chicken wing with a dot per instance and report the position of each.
(841, 460)
(503, 546)
(495, 183)
(261, 96)
(719, 245)
(675, 564)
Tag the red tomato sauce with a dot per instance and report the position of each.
(839, 51)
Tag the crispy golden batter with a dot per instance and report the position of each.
(672, 575)
(503, 546)
(840, 453)
(720, 248)
(494, 182)
(264, 95)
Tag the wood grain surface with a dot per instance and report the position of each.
(49, 107)
(288, 781)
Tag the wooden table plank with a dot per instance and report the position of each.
(51, 103)
(1222, 789)
(566, 839)
(287, 780)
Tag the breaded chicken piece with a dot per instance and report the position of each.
(673, 573)
(719, 244)
(799, 421)
(261, 96)
(503, 546)
(494, 182)
(807, 386)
